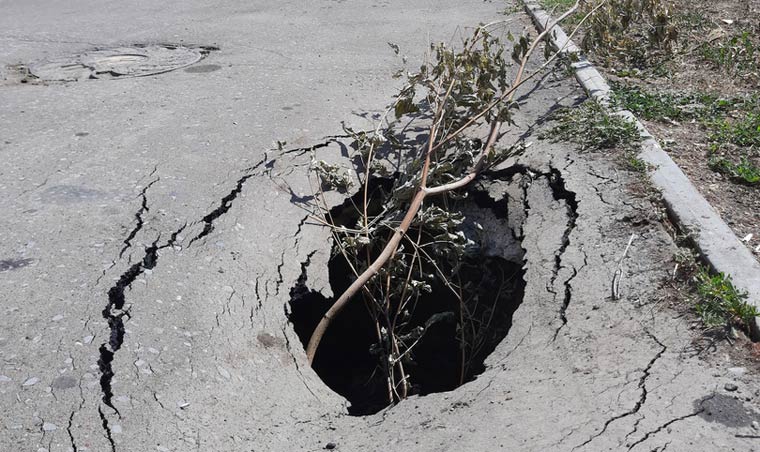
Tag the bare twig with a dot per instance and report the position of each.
(618, 276)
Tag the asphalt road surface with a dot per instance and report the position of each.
(151, 232)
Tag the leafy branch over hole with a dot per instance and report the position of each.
(407, 238)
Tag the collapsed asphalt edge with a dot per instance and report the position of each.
(713, 238)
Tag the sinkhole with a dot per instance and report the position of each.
(447, 331)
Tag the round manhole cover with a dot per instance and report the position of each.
(133, 61)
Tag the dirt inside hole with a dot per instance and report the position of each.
(350, 358)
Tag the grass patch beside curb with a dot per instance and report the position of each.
(720, 303)
(592, 127)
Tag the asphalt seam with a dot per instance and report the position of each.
(713, 238)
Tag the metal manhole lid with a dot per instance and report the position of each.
(132, 61)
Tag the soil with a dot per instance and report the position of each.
(738, 204)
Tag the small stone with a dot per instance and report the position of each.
(730, 387)
(49, 427)
(756, 425)
(738, 371)
(57, 318)
(223, 372)
(330, 446)
(88, 339)
(31, 381)
(5, 379)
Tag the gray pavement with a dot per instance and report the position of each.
(166, 193)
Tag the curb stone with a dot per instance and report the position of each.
(713, 238)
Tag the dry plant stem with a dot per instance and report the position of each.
(463, 352)
(398, 361)
(618, 276)
(423, 191)
(328, 221)
(403, 302)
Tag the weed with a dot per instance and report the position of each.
(332, 176)
(693, 20)
(663, 106)
(685, 256)
(592, 127)
(635, 164)
(721, 165)
(745, 171)
(557, 5)
(744, 132)
(632, 32)
(720, 303)
(737, 54)
(632, 73)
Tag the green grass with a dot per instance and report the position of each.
(555, 8)
(737, 54)
(677, 106)
(720, 303)
(743, 132)
(592, 127)
(559, 6)
(636, 164)
(744, 171)
(747, 172)
(693, 21)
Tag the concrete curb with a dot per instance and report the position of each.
(714, 239)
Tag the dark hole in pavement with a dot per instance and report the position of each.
(347, 360)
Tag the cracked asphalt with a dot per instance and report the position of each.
(152, 230)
